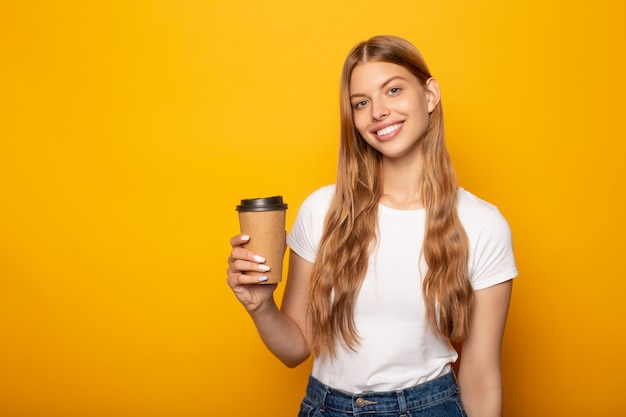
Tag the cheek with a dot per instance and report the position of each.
(414, 107)
(360, 121)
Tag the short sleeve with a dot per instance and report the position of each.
(491, 253)
(306, 232)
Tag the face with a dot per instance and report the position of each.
(391, 108)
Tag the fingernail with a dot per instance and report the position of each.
(262, 278)
(259, 258)
(244, 237)
(263, 268)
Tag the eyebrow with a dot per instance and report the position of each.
(395, 77)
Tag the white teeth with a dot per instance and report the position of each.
(388, 130)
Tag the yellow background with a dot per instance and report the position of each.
(129, 130)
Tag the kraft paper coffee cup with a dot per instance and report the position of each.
(263, 219)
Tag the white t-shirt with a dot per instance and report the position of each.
(397, 349)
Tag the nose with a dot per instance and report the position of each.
(379, 111)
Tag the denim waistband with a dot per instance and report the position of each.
(388, 401)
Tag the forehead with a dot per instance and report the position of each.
(372, 75)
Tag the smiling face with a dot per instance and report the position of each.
(391, 107)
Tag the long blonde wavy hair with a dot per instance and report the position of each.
(350, 226)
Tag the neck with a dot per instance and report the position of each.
(402, 183)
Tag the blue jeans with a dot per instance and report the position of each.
(436, 398)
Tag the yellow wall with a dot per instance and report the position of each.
(129, 130)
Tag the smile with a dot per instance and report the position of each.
(389, 129)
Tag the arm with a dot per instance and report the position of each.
(479, 370)
(284, 331)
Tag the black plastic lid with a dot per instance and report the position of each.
(262, 204)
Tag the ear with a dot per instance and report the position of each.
(433, 95)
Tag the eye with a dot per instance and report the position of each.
(359, 104)
(394, 90)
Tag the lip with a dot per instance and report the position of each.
(390, 135)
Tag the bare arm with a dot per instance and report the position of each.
(479, 371)
(284, 331)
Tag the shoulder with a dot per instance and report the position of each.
(491, 248)
(318, 202)
(468, 203)
(308, 227)
(323, 195)
(477, 214)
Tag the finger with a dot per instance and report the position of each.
(239, 253)
(239, 240)
(235, 280)
(241, 266)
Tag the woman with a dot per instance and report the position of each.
(393, 265)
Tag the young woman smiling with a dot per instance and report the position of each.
(393, 265)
